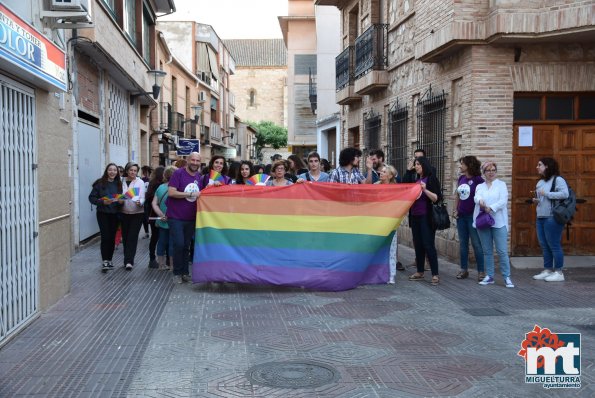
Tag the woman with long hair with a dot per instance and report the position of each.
(159, 204)
(549, 231)
(470, 178)
(103, 195)
(421, 220)
(296, 167)
(491, 197)
(154, 183)
(132, 212)
(388, 175)
(244, 172)
(278, 175)
(218, 164)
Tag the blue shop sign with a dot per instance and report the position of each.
(187, 146)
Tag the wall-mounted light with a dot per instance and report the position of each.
(194, 119)
(156, 77)
(227, 136)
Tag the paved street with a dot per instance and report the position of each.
(135, 334)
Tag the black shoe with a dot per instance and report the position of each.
(400, 266)
(105, 266)
(128, 267)
(153, 264)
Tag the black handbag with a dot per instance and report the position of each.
(440, 217)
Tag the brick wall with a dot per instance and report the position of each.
(88, 85)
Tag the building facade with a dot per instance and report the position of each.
(198, 47)
(299, 35)
(35, 159)
(260, 81)
(463, 78)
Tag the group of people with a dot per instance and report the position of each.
(171, 193)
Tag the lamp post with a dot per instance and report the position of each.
(156, 77)
(196, 117)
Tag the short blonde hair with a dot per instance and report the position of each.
(487, 164)
(393, 173)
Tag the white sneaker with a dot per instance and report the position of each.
(542, 275)
(508, 282)
(556, 276)
(128, 267)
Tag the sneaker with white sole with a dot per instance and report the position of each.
(178, 279)
(105, 265)
(508, 282)
(542, 275)
(186, 278)
(556, 276)
(128, 267)
(488, 280)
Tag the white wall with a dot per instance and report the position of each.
(328, 46)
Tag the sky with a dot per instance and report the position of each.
(234, 19)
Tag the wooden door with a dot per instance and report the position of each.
(574, 149)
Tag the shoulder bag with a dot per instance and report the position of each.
(440, 217)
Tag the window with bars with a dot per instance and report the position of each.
(398, 116)
(431, 129)
(372, 125)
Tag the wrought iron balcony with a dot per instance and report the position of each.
(371, 50)
(344, 68)
(313, 96)
(177, 124)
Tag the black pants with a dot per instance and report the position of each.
(131, 224)
(424, 237)
(108, 225)
(154, 239)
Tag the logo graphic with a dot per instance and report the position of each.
(553, 359)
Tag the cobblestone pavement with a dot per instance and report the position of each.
(136, 334)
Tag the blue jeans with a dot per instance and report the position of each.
(549, 235)
(423, 242)
(466, 231)
(499, 237)
(181, 233)
(164, 244)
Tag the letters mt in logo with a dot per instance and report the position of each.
(553, 359)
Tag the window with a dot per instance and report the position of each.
(559, 108)
(130, 19)
(586, 109)
(147, 22)
(431, 126)
(110, 4)
(527, 108)
(252, 97)
(398, 117)
(372, 125)
(554, 107)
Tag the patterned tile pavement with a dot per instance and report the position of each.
(136, 334)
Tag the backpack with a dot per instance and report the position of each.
(563, 209)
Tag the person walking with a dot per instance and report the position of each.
(146, 175)
(470, 178)
(421, 222)
(154, 183)
(133, 212)
(491, 197)
(159, 204)
(549, 231)
(183, 191)
(108, 207)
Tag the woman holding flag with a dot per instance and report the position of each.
(106, 195)
(216, 175)
(132, 212)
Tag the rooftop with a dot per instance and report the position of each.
(257, 52)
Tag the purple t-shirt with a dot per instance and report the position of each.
(184, 208)
(466, 191)
(420, 206)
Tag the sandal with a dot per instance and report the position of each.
(416, 277)
(435, 280)
(463, 274)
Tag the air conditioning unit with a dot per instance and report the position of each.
(69, 5)
(202, 96)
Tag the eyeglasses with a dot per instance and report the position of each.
(490, 171)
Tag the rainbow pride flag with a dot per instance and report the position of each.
(216, 176)
(319, 236)
(132, 192)
(258, 179)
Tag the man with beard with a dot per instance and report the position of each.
(377, 158)
(183, 192)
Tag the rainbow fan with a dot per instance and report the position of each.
(118, 196)
(258, 179)
(216, 176)
(132, 192)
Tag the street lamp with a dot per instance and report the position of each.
(196, 110)
(156, 77)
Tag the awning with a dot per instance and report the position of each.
(213, 63)
(203, 57)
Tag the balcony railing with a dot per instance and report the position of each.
(176, 124)
(371, 50)
(164, 116)
(312, 92)
(344, 67)
(215, 131)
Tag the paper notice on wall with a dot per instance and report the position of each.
(525, 135)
